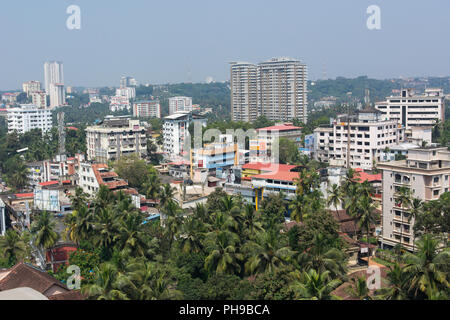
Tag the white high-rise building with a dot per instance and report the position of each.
(177, 104)
(57, 95)
(30, 87)
(369, 137)
(282, 89)
(276, 88)
(53, 73)
(244, 93)
(147, 109)
(128, 92)
(28, 117)
(412, 110)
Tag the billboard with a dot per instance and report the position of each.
(47, 200)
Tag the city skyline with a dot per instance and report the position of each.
(331, 38)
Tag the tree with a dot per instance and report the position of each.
(334, 197)
(288, 151)
(358, 289)
(12, 247)
(105, 284)
(225, 257)
(79, 224)
(427, 270)
(266, 254)
(43, 230)
(134, 170)
(396, 285)
(313, 285)
(365, 214)
(322, 256)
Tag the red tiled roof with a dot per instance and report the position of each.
(271, 167)
(179, 163)
(361, 176)
(51, 183)
(280, 128)
(72, 128)
(69, 295)
(24, 195)
(24, 275)
(280, 175)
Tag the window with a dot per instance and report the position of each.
(435, 192)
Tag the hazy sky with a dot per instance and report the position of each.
(187, 40)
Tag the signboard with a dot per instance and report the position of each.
(47, 200)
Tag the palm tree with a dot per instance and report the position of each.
(366, 215)
(416, 210)
(12, 247)
(79, 199)
(358, 289)
(131, 235)
(106, 228)
(152, 186)
(396, 285)
(334, 198)
(427, 270)
(313, 285)
(251, 221)
(298, 206)
(43, 229)
(173, 216)
(79, 224)
(267, 256)
(145, 281)
(192, 235)
(165, 194)
(105, 284)
(224, 258)
(321, 256)
(19, 178)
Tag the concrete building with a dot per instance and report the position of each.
(425, 173)
(119, 103)
(180, 104)
(147, 109)
(282, 89)
(175, 131)
(31, 86)
(369, 136)
(53, 73)
(115, 137)
(28, 117)
(263, 149)
(276, 88)
(39, 99)
(127, 82)
(244, 91)
(10, 97)
(222, 154)
(92, 175)
(128, 92)
(57, 95)
(413, 110)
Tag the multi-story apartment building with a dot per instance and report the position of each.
(221, 154)
(282, 90)
(263, 149)
(369, 136)
(276, 88)
(413, 110)
(119, 103)
(244, 91)
(176, 134)
(127, 82)
(426, 173)
(92, 175)
(53, 73)
(128, 92)
(39, 99)
(31, 86)
(28, 117)
(147, 109)
(179, 104)
(116, 137)
(57, 95)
